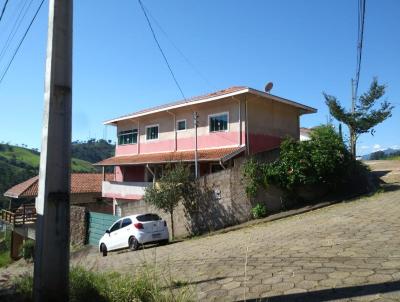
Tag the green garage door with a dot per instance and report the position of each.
(98, 224)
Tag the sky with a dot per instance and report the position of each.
(303, 47)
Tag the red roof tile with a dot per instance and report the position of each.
(80, 183)
(165, 157)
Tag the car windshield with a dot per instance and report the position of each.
(115, 226)
(148, 217)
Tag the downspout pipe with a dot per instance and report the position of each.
(176, 143)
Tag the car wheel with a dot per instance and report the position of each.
(103, 249)
(164, 242)
(133, 244)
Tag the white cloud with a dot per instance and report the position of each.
(395, 147)
(377, 147)
(365, 147)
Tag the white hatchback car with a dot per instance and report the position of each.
(134, 230)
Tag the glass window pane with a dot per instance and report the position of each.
(219, 123)
(152, 133)
(182, 125)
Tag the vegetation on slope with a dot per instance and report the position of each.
(92, 150)
(18, 164)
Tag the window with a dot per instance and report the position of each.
(152, 132)
(148, 217)
(127, 137)
(126, 222)
(181, 125)
(115, 226)
(218, 122)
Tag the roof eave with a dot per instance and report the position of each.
(205, 100)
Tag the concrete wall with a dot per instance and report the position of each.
(269, 122)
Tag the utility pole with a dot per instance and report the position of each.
(51, 268)
(196, 124)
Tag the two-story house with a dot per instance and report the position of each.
(234, 122)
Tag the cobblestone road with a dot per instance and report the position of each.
(345, 251)
(348, 251)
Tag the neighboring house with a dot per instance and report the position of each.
(305, 134)
(85, 191)
(234, 122)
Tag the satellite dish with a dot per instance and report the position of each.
(268, 87)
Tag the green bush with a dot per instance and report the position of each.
(28, 249)
(323, 160)
(259, 211)
(91, 286)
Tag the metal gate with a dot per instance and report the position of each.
(98, 224)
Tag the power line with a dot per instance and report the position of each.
(15, 28)
(3, 10)
(360, 38)
(159, 47)
(20, 43)
(200, 74)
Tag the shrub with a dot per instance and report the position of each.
(91, 286)
(28, 249)
(259, 211)
(323, 160)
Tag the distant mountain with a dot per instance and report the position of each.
(18, 164)
(382, 154)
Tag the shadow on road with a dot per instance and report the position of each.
(336, 293)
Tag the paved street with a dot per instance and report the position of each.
(353, 247)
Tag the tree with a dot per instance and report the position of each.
(364, 117)
(169, 190)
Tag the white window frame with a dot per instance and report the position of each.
(216, 114)
(177, 123)
(132, 131)
(151, 126)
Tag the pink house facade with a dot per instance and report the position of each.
(234, 122)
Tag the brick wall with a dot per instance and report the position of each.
(222, 202)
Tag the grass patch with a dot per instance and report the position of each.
(90, 286)
(5, 258)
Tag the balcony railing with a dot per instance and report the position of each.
(124, 190)
(25, 214)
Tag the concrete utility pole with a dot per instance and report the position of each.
(51, 268)
(196, 124)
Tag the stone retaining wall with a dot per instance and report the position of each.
(78, 225)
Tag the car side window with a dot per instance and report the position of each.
(126, 222)
(115, 226)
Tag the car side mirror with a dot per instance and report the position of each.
(108, 232)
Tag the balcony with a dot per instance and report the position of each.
(124, 190)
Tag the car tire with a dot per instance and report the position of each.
(103, 249)
(164, 242)
(133, 244)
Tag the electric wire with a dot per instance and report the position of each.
(199, 73)
(15, 28)
(159, 47)
(360, 38)
(3, 10)
(21, 41)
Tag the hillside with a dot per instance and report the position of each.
(92, 150)
(17, 164)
